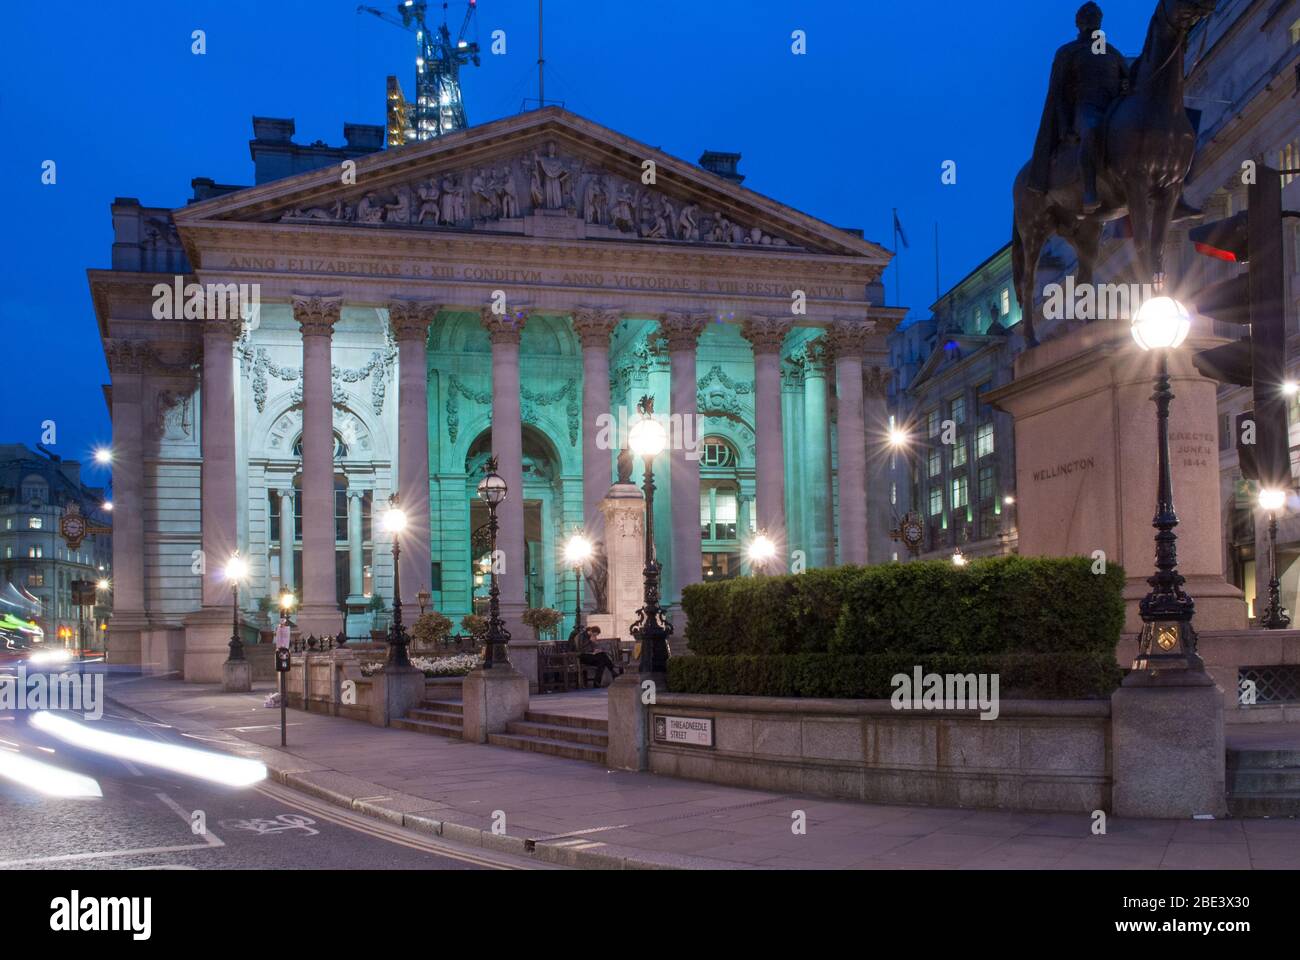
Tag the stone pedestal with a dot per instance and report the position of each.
(394, 694)
(126, 639)
(1167, 746)
(624, 512)
(207, 644)
(629, 734)
(1086, 462)
(237, 676)
(491, 699)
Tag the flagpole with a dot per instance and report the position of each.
(898, 296)
(937, 291)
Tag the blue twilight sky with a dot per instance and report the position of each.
(862, 123)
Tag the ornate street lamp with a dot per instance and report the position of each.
(648, 439)
(577, 551)
(236, 571)
(395, 523)
(1167, 641)
(287, 602)
(1275, 615)
(761, 552)
(492, 490)
(958, 558)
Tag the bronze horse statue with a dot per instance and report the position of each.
(1146, 151)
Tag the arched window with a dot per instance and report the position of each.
(340, 448)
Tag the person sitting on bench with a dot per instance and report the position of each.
(589, 656)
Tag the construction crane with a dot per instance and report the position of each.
(438, 107)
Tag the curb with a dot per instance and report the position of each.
(381, 803)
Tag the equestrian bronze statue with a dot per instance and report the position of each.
(1113, 142)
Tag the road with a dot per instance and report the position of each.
(150, 818)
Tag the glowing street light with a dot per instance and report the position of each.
(1167, 640)
(236, 571)
(761, 552)
(493, 490)
(103, 456)
(648, 438)
(898, 437)
(958, 558)
(395, 523)
(577, 551)
(1275, 616)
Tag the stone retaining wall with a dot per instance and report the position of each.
(1037, 755)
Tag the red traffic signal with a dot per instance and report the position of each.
(1224, 239)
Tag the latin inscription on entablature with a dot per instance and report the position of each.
(478, 273)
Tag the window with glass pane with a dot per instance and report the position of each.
(932, 423)
(724, 515)
(33, 523)
(936, 501)
(959, 492)
(959, 452)
(716, 453)
(340, 512)
(988, 483)
(273, 515)
(958, 410)
(936, 462)
(706, 515)
(1006, 300)
(984, 440)
(988, 522)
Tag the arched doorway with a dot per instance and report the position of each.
(543, 497)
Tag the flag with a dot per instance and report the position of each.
(898, 231)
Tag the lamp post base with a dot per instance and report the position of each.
(236, 676)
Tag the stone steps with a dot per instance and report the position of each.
(434, 716)
(1263, 783)
(558, 735)
(555, 748)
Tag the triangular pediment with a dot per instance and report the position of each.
(547, 173)
(951, 350)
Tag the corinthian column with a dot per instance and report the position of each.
(817, 451)
(410, 325)
(766, 334)
(875, 411)
(316, 317)
(848, 337)
(593, 327)
(217, 477)
(682, 331)
(504, 331)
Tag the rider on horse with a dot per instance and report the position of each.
(1088, 74)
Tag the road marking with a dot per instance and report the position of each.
(210, 838)
(392, 833)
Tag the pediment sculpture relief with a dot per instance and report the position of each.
(554, 185)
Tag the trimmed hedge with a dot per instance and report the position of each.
(1000, 605)
(1050, 623)
(856, 676)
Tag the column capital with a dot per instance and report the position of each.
(411, 319)
(505, 327)
(766, 333)
(682, 329)
(813, 356)
(356, 493)
(593, 325)
(126, 356)
(848, 335)
(315, 315)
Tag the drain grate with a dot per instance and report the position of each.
(1275, 684)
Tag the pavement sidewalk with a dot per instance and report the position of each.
(578, 814)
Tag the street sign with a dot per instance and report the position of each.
(685, 731)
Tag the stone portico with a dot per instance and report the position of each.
(506, 290)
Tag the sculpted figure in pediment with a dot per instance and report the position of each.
(484, 189)
(596, 207)
(452, 201)
(550, 180)
(505, 190)
(428, 194)
(399, 211)
(688, 227)
(623, 216)
(369, 209)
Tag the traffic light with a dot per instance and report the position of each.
(1254, 299)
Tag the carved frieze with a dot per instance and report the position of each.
(554, 185)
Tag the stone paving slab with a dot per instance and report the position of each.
(573, 813)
